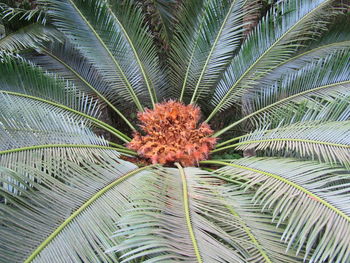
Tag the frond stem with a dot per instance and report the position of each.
(80, 210)
(281, 140)
(192, 53)
(346, 42)
(250, 234)
(231, 140)
(187, 212)
(44, 146)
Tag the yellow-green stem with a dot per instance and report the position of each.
(187, 213)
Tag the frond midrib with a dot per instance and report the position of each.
(45, 146)
(335, 44)
(245, 227)
(250, 234)
(193, 51)
(187, 213)
(283, 139)
(150, 89)
(60, 228)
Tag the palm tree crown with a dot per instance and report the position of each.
(105, 156)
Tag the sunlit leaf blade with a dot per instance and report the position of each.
(121, 49)
(327, 78)
(326, 142)
(336, 40)
(264, 237)
(66, 61)
(25, 122)
(158, 223)
(312, 199)
(20, 76)
(313, 86)
(200, 54)
(274, 40)
(18, 15)
(64, 213)
(226, 226)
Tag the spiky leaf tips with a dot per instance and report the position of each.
(173, 134)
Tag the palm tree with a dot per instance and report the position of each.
(273, 83)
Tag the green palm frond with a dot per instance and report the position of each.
(187, 215)
(120, 48)
(74, 205)
(208, 47)
(273, 79)
(161, 16)
(305, 113)
(325, 80)
(285, 184)
(66, 61)
(28, 37)
(20, 78)
(25, 122)
(327, 142)
(165, 9)
(337, 39)
(277, 37)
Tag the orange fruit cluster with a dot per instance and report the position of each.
(173, 135)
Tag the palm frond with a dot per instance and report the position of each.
(20, 78)
(277, 37)
(307, 112)
(66, 61)
(187, 215)
(19, 14)
(336, 40)
(73, 205)
(120, 48)
(25, 122)
(326, 142)
(325, 80)
(28, 37)
(312, 199)
(200, 54)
